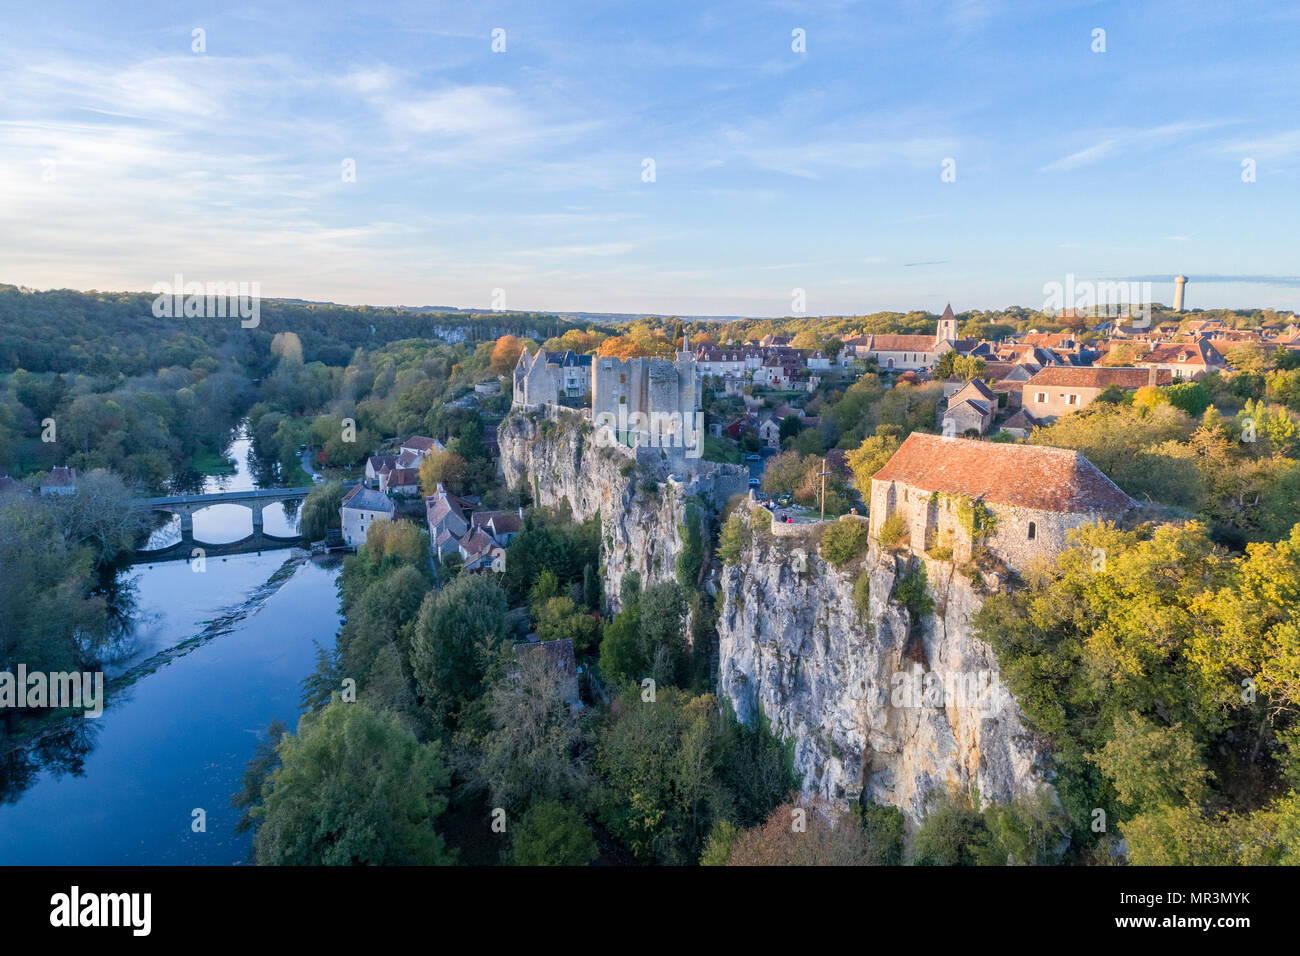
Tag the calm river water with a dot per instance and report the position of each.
(178, 739)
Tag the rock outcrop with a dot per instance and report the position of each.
(642, 506)
(874, 700)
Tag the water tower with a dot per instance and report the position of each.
(1180, 283)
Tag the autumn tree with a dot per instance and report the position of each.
(813, 833)
(444, 468)
(505, 354)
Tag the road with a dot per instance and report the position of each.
(306, 464)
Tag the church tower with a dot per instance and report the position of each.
(947, 326)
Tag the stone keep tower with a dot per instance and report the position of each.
(649, 386)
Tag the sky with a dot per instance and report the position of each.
(667, 158)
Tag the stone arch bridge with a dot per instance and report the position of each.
(187, 505)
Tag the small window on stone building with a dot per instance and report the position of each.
(1033, 531)
(622, 379)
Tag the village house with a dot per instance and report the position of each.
(769, 432)
(361, 508)
(503, 526)
(776, 372)
(391, 473)
(399, 481)
(419, 447)
(548, 377)
(375, 464)
(718, 361)
(1185, 360)
(479, 552)
(559, 653)
(1019, 425)
(1015, 503)
(60, 481)
(818, 361)
(1057, 390)
(970, 409)
(448, 517)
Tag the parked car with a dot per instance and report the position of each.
(785, 500)
(753, 482)
(753, 458)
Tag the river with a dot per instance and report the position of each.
(178, 738)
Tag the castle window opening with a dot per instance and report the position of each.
(1033, 531)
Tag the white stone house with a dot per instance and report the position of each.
(361, 508)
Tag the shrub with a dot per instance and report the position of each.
(913, 593)
(862, 593)
(892, 530)
(734, 539)
(845, 541)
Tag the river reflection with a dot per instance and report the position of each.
(121, 788)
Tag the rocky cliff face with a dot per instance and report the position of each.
(873, 699)
(641, 505)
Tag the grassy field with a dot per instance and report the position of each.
(721, 450)
(211, 463)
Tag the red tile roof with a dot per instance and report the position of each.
(1183, 353)
(1025, 476)
(1098, 376)
(901, 343)
(61, 477)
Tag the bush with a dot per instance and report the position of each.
(884, 827)
(552, 834)
(845, 541)
(892, 530)
(862, 593)
(734, 539)
(913, 593)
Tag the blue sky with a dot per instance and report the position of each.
(126, 158)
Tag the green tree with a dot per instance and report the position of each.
(353, 788)
(320, 510)
(459, 644)
(552, 834)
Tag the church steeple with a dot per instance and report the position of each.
(947, 330)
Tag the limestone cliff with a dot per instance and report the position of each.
(872, 699)
(555, 455)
